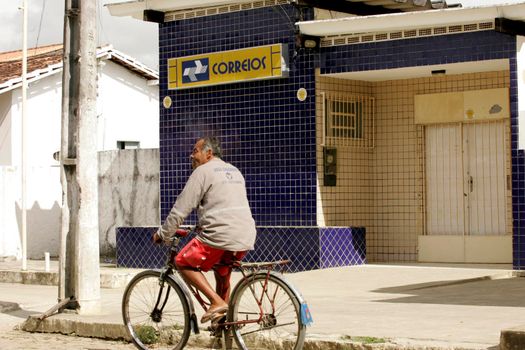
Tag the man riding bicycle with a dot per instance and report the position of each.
(226, 229)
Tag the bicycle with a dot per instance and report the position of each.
(264, 309)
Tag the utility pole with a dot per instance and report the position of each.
(24, 138)
(79, 268)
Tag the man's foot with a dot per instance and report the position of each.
(214, 313)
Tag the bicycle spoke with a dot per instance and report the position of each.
(268, 328)
(278, 323)
(156, 317)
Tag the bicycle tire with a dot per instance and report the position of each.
(148, 326)
(279, 328)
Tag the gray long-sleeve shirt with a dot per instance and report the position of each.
(217, 190)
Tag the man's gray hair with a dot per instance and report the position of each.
(213, 143)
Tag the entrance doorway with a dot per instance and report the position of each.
(466, 193)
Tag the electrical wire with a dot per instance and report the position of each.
(99, 16)
(40, 25)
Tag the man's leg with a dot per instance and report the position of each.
(224, 271)
(199, 281)
(193, 258)
(222, 285)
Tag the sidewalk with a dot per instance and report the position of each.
(410, 306)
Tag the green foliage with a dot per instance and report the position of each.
(147, 334)
(364, 340)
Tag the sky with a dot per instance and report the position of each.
(135, 38)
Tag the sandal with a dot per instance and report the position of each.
(213, 314)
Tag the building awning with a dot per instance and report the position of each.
(409, 20)
(136, 8)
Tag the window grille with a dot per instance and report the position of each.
(349, 120)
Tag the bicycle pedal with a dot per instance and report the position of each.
(214, 331)
(218, 320)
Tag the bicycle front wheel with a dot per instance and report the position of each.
(156, 313)
(270, 315)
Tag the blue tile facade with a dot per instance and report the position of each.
(308, 248)
(466, 47)
(264, 129)
(518, 208)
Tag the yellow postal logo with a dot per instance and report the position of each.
(262, 62)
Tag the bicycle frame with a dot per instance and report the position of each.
(167, 273)
(248, 270)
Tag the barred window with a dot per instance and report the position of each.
(349, 120)
(345, 119)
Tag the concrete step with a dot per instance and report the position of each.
(108, 279)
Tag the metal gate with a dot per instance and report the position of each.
(466, 179)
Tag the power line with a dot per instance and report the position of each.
(99, 11)
(40, 25)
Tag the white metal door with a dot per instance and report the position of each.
(444, 173)
(465, 172)
(485, 170)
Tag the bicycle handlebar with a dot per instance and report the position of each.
(182, 232)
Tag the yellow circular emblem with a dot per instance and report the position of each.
(302, 94)
(166, 102)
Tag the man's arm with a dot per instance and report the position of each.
(188, 200)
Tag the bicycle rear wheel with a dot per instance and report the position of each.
(279, 327)
(155, 313)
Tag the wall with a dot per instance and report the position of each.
(127, 108)
(518, 164)
(128, 192)
(350, 202)
(44, 193)
(395, 98)
(43, 121)
(5, 128)
(10, 240)
(388, 198)
(128, 195)
(44, 198)
(265, 130)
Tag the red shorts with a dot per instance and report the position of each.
(200, 256)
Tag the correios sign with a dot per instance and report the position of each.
(262, 62)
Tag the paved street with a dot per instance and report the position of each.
(13, 339)
(19, 340)
(409, 306)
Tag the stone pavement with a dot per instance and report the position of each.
(374, 306)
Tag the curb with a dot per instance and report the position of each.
(512, 338)
(107, 280)
(66, 325)
(29, 277)
(6, 307)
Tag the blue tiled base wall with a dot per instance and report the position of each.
(309, 248)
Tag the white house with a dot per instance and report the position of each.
(128, 117)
